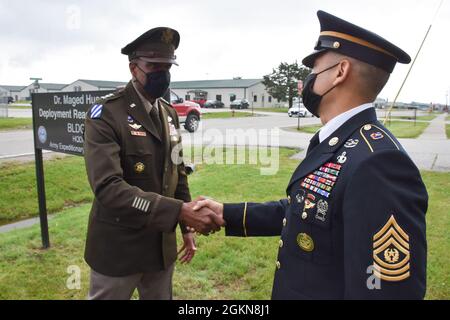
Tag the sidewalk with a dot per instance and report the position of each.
(436, 129)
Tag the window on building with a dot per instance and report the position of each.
(270, 99)
(219, 97)
(255, 98)
(77, 88)
(187, 97)
(232, 97)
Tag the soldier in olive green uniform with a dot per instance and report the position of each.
(134, 165)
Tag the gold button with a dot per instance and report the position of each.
(333, 141)
(281, 243)
(336, 45)
(367, 127)
(289, 199)
(278, 265)
(304, 215)
(284, 222)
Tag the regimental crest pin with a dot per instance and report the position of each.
(139, 167)
(351, 143)
(167, 36)
(376, 135)
(391, 252)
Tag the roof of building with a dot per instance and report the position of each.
(52, 86)
(103, 83)
(204, 84)
(12, 88)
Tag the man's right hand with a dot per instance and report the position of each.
(203, 220)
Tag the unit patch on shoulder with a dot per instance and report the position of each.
(96, 111)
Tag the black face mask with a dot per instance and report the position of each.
(310, 99)
(157, 83)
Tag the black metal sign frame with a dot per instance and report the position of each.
(58, 125)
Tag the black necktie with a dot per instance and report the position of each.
(156, 120)
(313, 142)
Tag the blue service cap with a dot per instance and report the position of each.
(351, 40)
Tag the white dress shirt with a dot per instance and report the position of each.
(334, 124)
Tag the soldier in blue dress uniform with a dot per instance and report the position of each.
(353, 223)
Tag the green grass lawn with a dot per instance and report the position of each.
(225, 114)
(447, 129)
(12, 106)
(224, 268)
(400, 129)
(15, 123)
(18, 187)
(273, 109)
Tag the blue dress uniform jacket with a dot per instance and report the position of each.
(353, 223)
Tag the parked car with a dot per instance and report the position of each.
(188, 112)
(214, 104)
(199, 101)
(298, 110)
(239, 104)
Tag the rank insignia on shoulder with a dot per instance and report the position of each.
(391, 252)
(351, 143)
(96, 111)
(376, 135)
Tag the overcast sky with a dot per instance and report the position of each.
(61, 41)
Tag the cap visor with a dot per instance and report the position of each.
(159, 60)
(309, 60)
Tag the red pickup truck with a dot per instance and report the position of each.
(188, 112)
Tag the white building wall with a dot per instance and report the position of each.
(263, 98)
(258, 90)
(25, 92)
(4, 92)
(213, 93)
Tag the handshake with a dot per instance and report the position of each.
(203, 215)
